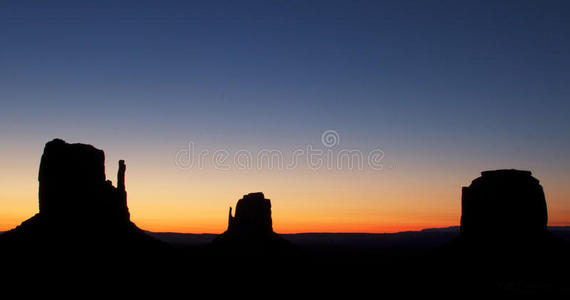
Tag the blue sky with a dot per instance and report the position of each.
(400, 67)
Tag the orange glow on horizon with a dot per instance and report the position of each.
(163, 198)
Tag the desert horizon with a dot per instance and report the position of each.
(188, 212)
(371, 147)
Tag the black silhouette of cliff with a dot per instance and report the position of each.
(250, 231)
(504, 246)
(504, 203)
(78, 207)
(504, 214)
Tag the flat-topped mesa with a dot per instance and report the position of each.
(252, 214)
(68, 171)
(79, 208)
(250, 231)
(73, 185)
(506, 203)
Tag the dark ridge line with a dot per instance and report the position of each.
(436, 229)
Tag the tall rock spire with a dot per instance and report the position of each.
(230, 219)
(121, 176)
(122, 209)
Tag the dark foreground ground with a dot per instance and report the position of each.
(324, 265)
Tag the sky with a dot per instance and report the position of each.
(423, 95)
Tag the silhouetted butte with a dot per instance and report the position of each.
(504, 213)
(78, 206)
(250, 231)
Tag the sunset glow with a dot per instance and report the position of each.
(438, 95)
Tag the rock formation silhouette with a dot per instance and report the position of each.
(253, 215)
(504, 245)
(78, 207)
(250, 231)
(505, 203)
(504, 214)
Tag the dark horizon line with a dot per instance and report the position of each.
(567, 227)
(454, 227)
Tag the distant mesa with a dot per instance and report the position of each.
(253, 215)
(73, 186)
(504, 213)
(505, 203)
(251, 229)
(78, 206)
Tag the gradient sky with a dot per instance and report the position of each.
(445, 89)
